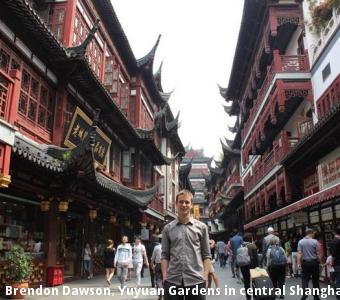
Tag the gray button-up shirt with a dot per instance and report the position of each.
(185, 246)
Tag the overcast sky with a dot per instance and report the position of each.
(197, 49)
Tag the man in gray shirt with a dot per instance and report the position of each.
(308, 259)
(186, 257)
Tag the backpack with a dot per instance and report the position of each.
(277, 256)
(242, 256)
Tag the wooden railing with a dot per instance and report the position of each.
(270, 160)
(280, 64)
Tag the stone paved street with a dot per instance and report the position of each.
(98, 283)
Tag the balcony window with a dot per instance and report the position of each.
(326, 72)
(116, 160)
(146, 171)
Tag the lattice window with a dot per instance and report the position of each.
(94, 53)
(124, 97)
(4, 85)
(67, 116)
(111, 76)
(36, 101)
(8, 60)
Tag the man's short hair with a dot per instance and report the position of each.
(309, 230)
(184, 192)
(270, 230)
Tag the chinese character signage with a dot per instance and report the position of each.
(329, 169)
(79, 129)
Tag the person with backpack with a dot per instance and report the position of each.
(247, 259)
(276, 264)
(288, 250)
(265, 244)
(236, 241)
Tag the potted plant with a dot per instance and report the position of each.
(19, 269)
(321, 13)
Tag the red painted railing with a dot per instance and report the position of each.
(268, 161)
(280, 64)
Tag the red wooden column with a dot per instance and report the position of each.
(14, 101)
(288, 187)
(51, 234)
(266, 200)
(61, 102)
(138, 104)
(11, 116)
(5, 157)
(277, 191)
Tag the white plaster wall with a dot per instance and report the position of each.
(331, 56)
(293, 43)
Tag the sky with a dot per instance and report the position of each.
(197, 46)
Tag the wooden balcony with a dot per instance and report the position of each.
(281, 64)
(271, 159)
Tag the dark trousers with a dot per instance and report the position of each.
(222, 257)
(337, 279)
(246, 279)
(310, 269)
(187, 296)
(277, 275)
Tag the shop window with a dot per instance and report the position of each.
(127, 166)
(36, 102)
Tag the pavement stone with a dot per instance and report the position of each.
(98, 282)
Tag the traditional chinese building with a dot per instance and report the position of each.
(271, 96)
(226, 193)
(198, 174)
(284, 90)
(85, 130)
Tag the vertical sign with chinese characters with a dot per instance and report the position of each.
(79, 129)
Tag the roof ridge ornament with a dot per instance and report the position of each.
(148, 58)
(80, 50)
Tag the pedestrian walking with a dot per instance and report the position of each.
(186, 257)
(288, 250)
(276, 264)
(212, 274)
(294, 245)
(330, 272)
(335, 252)
(123, 259)
(138, 257)
(230, 258)
(221, 253)
(309, 261)
(249, 244)
(265, 244)
(156, 266)
(87, 260)
(109, 258)
(149, 250)
(236, 241)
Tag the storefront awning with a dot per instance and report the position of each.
(319, 197)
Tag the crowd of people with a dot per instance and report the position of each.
(185, 257)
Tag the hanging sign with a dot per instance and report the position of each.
(79, 129)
